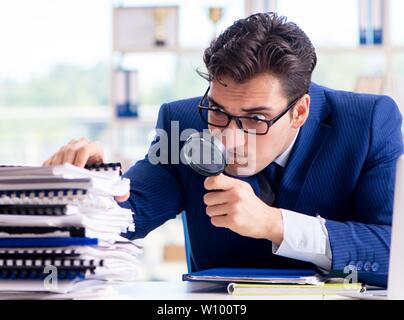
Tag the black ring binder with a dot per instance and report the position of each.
(40, 263)
(52, 193)
(115, 166)
(38, 253)
(38, 273)
(73, 231)
(103, 166)
(34, 209)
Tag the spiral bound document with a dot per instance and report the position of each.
(48, 193)
(46, 242)
(42, 263)
(38, 272)
(96, 253)
(38, 210)
(13, 232)
(101, 170)
(107, 168)
(48, 183)
(118, 249)
(34, 253)
(103, 179)
(91, 224)
(56, 196)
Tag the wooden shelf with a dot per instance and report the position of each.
(176, 50)
(360, 49)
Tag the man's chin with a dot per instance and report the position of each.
(240, 171)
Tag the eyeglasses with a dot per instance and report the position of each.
(256, 124)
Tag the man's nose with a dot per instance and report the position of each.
(233, 136)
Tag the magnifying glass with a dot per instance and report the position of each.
(205, 153)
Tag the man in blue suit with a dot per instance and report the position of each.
(312, 179)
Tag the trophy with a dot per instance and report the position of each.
(160, 15)
(215, 15)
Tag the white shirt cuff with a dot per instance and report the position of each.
(305, 238)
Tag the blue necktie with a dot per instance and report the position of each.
(273, 174)
(269, 180)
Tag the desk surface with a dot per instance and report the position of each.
(155, 290)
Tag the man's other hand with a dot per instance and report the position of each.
(79, 153)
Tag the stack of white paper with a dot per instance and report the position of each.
(61, 225)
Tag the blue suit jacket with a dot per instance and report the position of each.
(341, 167)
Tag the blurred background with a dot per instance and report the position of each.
(102, 68)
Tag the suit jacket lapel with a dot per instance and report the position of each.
(308, 145)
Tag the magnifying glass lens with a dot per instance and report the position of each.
(205, 154)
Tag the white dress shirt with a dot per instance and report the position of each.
(304, 237)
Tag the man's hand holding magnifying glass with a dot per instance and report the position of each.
(237, 207)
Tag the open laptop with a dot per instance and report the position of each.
(395, 286)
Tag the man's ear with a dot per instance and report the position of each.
(301, 111)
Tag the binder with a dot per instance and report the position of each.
(43, 184)
(34, 253)
(42, 263)
(48, 193)
(11, 231)
(115, 167)
(363, 22)
(327, 289)
(38, 273)
(102, 179)
(49, 170)
(46, 242)
(99, 170)
(252, 275)
(377, 21)
(55, 196)
(38, 209)
(115, 225)
(124, 253)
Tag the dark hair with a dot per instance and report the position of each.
(263, 43)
